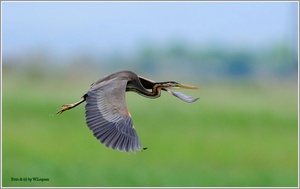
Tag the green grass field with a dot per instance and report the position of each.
(235, 135)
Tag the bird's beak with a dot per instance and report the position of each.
(186, 86)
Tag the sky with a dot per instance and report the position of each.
(65, 28)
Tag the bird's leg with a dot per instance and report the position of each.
(70, 106)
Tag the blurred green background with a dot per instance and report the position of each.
(243, 131)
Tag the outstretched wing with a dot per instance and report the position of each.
(108, 117)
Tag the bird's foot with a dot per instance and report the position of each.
(65, 107)
(69, 106)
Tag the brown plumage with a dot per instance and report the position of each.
(107, 114)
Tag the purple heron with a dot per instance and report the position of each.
(106, 111)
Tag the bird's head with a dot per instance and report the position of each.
(170, 84)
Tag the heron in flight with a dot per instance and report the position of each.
(106, 111)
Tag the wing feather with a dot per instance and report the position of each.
(108, 118)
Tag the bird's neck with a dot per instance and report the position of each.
(155, 93)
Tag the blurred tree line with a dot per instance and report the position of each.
(176, 59)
